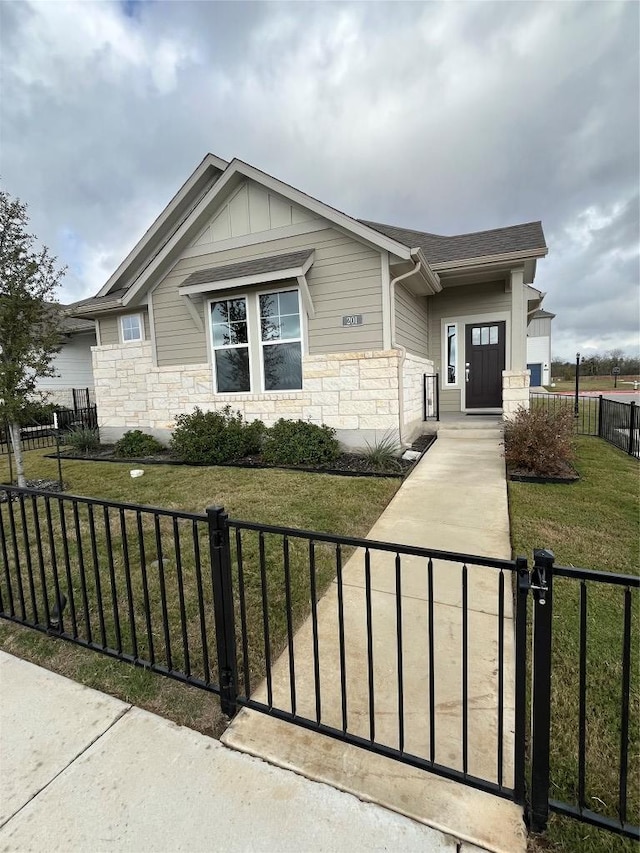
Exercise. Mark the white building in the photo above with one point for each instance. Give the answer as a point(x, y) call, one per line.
point(539, 347)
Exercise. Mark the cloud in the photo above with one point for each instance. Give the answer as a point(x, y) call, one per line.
point(446, 116)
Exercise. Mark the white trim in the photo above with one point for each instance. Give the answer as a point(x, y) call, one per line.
point(248, 280)
point(210, 162)
point(152, 332)
point(123, 317)
point(446, 385)
point(490, 260)
point(262, 344)
point(386, 301)
point(306, 297)
point(256, 237)
point(212, 348)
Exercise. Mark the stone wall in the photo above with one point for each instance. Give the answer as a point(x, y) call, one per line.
point(413, 369)
point(515, 392)
point(354, 392)
point(64, 396)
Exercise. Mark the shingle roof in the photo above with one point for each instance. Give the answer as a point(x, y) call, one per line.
point(96, 303)
point(541, 314)
point(256, 266)
point(439, 249)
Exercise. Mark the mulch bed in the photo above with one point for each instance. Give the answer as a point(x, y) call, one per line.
point(570, 475)
point(347, 464)
point(41, 485)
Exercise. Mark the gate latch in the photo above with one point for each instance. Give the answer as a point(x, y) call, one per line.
point(538, 584)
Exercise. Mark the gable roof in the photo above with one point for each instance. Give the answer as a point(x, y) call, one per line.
point(541, 314)
point(443, 250)
point(254, 267)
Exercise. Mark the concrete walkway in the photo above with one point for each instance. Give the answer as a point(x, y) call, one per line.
point(455, 500)
point(81, 771)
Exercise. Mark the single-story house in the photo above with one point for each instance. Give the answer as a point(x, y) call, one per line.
point(539, 347)
point(72, 363)
point(248, 292)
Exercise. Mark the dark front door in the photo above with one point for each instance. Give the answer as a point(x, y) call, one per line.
point(484, 363)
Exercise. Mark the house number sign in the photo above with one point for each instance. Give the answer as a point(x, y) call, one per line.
point(352, 320)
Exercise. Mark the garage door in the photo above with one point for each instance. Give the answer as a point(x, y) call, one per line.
point(536, 374)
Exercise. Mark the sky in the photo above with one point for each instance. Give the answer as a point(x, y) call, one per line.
point(445, 117)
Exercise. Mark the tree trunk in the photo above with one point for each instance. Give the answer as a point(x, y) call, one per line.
point(14, 431)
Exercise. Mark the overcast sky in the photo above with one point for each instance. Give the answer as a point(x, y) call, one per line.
point(447, 117)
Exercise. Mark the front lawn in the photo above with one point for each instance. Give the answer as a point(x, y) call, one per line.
point(593, 524)
point(341, 505)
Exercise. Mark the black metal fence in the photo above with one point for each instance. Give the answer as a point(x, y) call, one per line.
point(431, 396)
point(39, 436)
point(377, 644)
point(614, 421)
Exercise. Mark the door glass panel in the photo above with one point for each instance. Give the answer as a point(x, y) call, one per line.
point(475, 337)
point(451, 355)
point(493, 335)
point(484, 336)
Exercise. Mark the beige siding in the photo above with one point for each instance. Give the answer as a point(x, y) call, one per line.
point(449, 400)
point(485, 298)
point(539, 328)
point(344, 279)
point(411, 321)
point(110, 326)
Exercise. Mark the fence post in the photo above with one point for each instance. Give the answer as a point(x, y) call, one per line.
point(632, 427)
point(223, 608)
point(576, 408)
point(424, 397)
point(542, 587)
point(522, 580)
point(600, 416)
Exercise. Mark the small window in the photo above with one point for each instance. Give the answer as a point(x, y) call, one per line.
point(484, 336)
point(131, 326)
point(452, 348)
point(230, 345)
point(281, 341)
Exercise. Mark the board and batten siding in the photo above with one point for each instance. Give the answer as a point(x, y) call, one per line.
point(411, 321)
point(110, 326)
point(539, 327)
point(345, 278)
point(458, 302)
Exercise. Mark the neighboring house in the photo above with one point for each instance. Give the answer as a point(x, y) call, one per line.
point(539, 347)
point(72, 364)
point(248, 292)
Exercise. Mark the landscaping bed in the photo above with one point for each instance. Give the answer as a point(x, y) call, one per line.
point(346, 464)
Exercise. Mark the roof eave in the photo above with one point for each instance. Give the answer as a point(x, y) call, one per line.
point(490, 260)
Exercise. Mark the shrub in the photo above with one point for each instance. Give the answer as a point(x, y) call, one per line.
point(211, 438)
point(384, 454)
point(136, 443)
point(37, 414)
point(82, 439)
point(540, 442)
point(300, 443)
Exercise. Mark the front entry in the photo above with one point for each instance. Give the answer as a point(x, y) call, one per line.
point(484, 363)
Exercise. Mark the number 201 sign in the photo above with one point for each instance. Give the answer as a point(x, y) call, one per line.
point(352, 320)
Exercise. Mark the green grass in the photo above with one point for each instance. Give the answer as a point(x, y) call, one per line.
point(593, 524)
point(342, 505)
point(595, 383)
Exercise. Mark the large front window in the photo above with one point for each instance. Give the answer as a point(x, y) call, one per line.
point(257, 342)
point(230, 345)
point(281, 341)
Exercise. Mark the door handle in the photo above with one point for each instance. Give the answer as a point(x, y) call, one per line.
point(466, 371)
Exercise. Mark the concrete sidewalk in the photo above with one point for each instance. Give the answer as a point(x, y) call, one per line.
point(455, 500)
point(82, 771)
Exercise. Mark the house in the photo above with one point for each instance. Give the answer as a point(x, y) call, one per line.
point(539, 347)
point(72, 364)
point(248, 292)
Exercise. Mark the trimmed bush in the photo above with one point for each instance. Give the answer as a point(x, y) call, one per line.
point(300, 443)
point(137, 444)
point(540, 441)
point(211, 438)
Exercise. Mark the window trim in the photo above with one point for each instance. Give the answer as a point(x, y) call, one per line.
point(214, 348)
point(446, 325)
point(140, 323)
point(261, 344)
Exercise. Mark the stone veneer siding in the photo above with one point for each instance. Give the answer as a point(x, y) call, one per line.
point(413, 369)
point(354, 392)
point(515, 392)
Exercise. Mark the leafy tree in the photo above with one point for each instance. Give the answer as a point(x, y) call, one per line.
point(30, 332)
